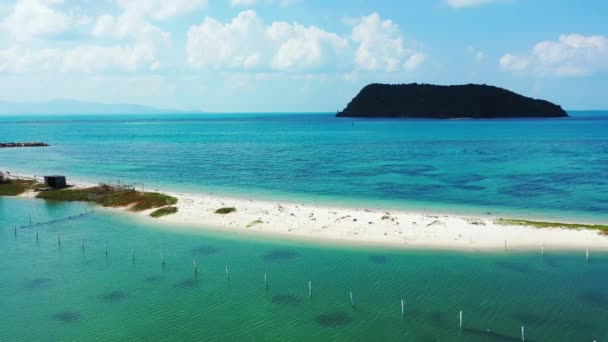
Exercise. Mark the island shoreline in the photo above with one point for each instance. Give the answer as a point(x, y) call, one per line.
point(395, 229)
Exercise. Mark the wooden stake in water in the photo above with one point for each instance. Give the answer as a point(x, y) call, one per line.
point(265, 281)
point(352, 302)
point(162, 259)
point(36, 236)
point(587, 255)
point(460, 319)
point(195, 268)
point(542, 250)
point(402, 308)
point(523, 335)
point(309, 289)
point(227, 274)
point(59, 239)
point(30, 219)
point(133, 254)
point(15, 230)
point(82, 245)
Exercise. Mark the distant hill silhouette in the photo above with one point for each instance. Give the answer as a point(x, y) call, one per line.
point(75, 107)
point(446, 102)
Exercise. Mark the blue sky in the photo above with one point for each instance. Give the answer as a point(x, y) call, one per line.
point(297, 55)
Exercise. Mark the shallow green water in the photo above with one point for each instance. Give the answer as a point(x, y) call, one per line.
point(60, 292)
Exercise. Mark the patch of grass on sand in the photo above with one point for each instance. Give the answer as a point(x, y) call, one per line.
point(15, 187)
point(110, 196)
point(163, 212)
point(253, 223)
point(226, 210)
point(538, 224)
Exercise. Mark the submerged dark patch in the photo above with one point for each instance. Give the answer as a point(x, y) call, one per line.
point(285, 299)
point(438, 319)
point(542, 319)
point(596, 298)
point(39, 284)
point(205, 250)
point(186, 284)
point(490, 335)
point(471, 187)
point(462, 179)
point(551, 262)
point(154, 278)
point(333, 319)
point(280, 254)
point(513, 266)
point(378, 259)
point(114, 296)
point(67, 316)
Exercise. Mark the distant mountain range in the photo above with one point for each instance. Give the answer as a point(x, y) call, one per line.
point(76, 107)
point(477, 101)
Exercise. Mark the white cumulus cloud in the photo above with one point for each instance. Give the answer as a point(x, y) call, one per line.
point(570, 55)
point(36, 18)
point(247, 42)
point(83, 58)
point(382, 47)
point(161, 9)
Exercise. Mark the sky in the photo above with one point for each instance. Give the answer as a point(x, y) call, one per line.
point(297, 55)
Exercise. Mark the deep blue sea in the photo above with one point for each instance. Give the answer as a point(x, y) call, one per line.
point(544, 168)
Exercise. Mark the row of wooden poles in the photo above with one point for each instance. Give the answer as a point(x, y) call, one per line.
point(542, 248)
point(195, 270)
point(31, 224)
point(542, 251)
point(352, 300)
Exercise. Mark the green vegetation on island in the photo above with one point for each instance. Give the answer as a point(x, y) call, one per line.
point(16, 187)
point(163, 212)
point(539, 224)
point(226, 210)
point(111, 196)
point(478, 101)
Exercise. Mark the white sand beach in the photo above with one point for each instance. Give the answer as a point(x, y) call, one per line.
point(373, 227)
point(369, 227)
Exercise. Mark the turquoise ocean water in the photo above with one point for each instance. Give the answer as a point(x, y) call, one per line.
point(66, 292)
point(550, 168)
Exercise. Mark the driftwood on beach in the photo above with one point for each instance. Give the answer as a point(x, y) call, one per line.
point(23, 144)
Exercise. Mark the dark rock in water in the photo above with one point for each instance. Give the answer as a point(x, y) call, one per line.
point(114, 296)
point(446, 102)
point(39, 284)
point(23, 144)
point(286, 299)
point(280, 254)
point(378, 259)
point(205, 250)
point(67, 316)
point(186, 284)
point(596, 298)
point(333, 319)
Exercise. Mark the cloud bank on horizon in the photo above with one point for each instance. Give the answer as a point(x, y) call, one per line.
point(295, 55)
